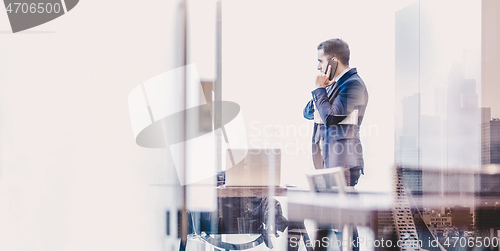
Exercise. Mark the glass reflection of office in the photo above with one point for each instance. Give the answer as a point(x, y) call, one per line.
point(441, 123)
point(446, 130)
point(437, 104)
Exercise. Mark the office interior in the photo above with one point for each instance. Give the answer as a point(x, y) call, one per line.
point(120, 132)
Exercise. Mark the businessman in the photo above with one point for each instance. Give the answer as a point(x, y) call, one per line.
point(337, 108)
point(335, 140)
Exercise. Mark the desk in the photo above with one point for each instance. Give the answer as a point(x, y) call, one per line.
point(337, 211)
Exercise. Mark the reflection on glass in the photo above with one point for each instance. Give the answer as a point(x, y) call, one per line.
point(445, 136)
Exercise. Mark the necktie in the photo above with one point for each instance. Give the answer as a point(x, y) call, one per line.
point(330, 88)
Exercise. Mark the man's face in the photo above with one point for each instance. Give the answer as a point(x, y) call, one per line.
point(322, 60)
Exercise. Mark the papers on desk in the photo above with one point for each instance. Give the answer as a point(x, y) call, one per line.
point(327, 179)
point(351, 119)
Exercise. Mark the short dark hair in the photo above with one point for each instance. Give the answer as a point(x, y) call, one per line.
point(336, 48)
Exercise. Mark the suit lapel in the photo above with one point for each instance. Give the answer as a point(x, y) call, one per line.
point(333, 94)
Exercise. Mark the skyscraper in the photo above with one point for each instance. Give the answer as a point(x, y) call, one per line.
point(495, 141)
point(490, 138)
point(485, 136)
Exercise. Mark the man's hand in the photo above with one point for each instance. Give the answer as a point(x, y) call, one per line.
point(322, 79)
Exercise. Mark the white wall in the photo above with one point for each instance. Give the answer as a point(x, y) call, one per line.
point(73, 177)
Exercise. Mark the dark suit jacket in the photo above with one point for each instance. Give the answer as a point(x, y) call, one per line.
point(349, 93)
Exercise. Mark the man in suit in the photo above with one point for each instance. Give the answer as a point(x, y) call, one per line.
point(335, 140)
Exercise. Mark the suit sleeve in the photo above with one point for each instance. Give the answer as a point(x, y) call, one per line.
point(309, 110)
point(350, 95)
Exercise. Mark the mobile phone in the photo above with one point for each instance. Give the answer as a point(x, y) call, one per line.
point(334, 65)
